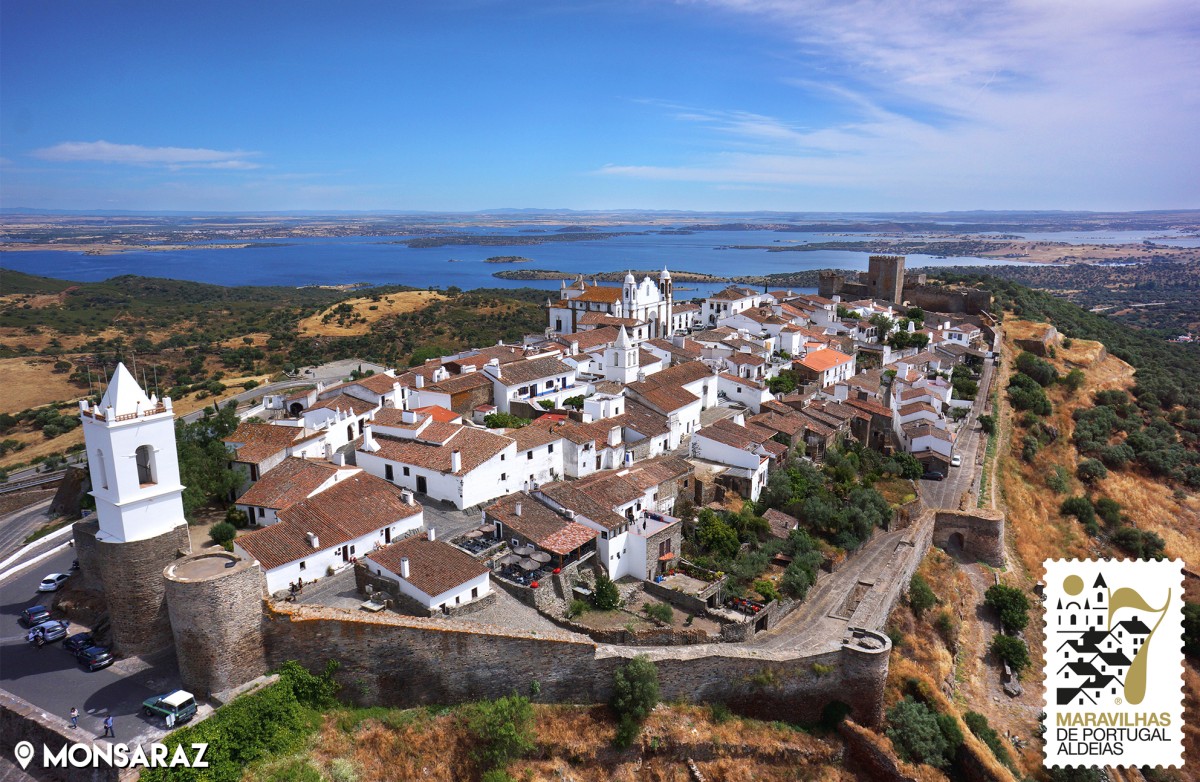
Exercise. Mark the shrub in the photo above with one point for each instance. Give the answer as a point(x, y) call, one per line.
point(635, 694)
point(988, 735)
point(1141, 543)
point(1042, 372)
point(504, 421)
point(920, 595)
point(987, 423)
point(1058, 480)
point(947, 628)
point(237, 518)
point(606, 597)
point(660, 612)
point(1081, 508)
point(917, 734)
point(1091, 470)
point(343, 770)
point(504, 728)
point(1012, 605)
point(766, 589)
point(222, 532)
point(250, 384)
point(1191, 629)
point(577, 608)
point(1012, 651)
point(1073, 380)
point(1108, 510)
point(719, 713)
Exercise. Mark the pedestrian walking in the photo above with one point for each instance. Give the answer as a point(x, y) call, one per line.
point(108, 727)
point(74, 717)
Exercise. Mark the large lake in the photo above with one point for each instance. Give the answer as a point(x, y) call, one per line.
point(373, 260)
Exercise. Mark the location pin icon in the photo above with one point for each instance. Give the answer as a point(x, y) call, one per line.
point(24, 753)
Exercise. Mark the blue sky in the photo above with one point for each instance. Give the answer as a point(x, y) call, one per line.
point(826, 105)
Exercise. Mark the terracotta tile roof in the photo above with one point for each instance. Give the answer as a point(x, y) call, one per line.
point(729, 433)
point(531, 370)
point(643, 420)
point(505, 354)
point(821, 360)
point(545, 527)
point(659, 470)
point(742, 381)
point(604, 319)
point(605, 294)
point(291, 481)
point(533, 437)
point(838, 410)
point(647, 359)
point(763, 315)
point(747, 359)
point(916, 393)
point(679, 354)
point(817, 426)
point(870, 406)
point(343, 402)
point(437, 433)
point(259, 442)
point(587, 340)
point(915, 429)
point(733, 293)
point(349, 509)
point(299, 393)
point(475, 446)
point(667, 398)
point(681, 374)
point(572, 498)
point(434, 567)
point(917, 407)
point(376, 384)
point(438, 413)
point(781, 523)
point(719, 334)
point(789, 424)
point(457, 384)
point(394, 417)
point(686, 307)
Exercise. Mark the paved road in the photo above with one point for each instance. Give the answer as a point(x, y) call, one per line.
point(50, 679)
point(15, 527)
point(970, 446)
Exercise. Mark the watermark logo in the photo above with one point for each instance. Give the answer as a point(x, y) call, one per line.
point(104, 754)
point(1114, 663)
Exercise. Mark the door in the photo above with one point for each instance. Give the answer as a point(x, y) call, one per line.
point(422, 486)
point(387, 535)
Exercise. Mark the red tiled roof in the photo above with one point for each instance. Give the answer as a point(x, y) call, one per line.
point(288, 483)
point(520, 372)
point(345, 403)
point(456, 384)
point(258, 442)
point(666, 398)
point(347, 510)
point(475, 446)
point(822, 360)
point(434, 567)
point(394, 417)
point(870, 406)
point(546, 528)
point(605, 294)
point(604, 319)
point(591, 339)
point(439, 414)
point(533, 437)
point(729, 433)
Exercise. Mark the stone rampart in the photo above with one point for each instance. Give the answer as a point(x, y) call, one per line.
point(22, 721)
point(214, 601)
point(979, 533)
point(399, 661)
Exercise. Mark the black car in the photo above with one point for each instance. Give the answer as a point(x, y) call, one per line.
point(94, 658)
point(34, 615)
point(78, 642)
point(933, 475)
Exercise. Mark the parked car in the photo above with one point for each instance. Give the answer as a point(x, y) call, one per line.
point(179, 704)
point(932, 475)
point(52, 582)
point(79, 642)
point(34, 615)
point(52, 629)
point(956, 460)
point(94, 658)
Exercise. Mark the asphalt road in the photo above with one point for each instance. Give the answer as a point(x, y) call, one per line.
point(50, 679)
point(15, 527)
point(969, 445)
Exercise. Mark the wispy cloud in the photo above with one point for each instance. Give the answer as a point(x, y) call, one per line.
point(1085, 99)
point(138, 155)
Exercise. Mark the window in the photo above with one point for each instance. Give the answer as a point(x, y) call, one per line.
point(387, 472)
point(529, 454)
point(501, 457)
point(685, 483)
point(406, 472)
point(664, 547)
point(144, 456)
point(303, 565)
point(100, 469)
point(504, 476)
point(604, 535)
point(262, 512)
point(352, 551)
point(550, 448)
point(549, 384)
point(254, 472)
point(474, 592)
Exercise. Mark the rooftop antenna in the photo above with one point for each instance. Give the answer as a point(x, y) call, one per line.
point(155, 367)
point(105, 379)
point(91, 388)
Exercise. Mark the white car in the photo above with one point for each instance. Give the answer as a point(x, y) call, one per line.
point(956, 460)
point(52, 582)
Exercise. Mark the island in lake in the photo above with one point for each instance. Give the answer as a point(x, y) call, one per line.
point(508, 259)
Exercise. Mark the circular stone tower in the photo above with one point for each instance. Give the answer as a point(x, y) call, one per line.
point(215, 602)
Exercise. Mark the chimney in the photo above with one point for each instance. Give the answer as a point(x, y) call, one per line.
point(369, 445)
point(404, 568)
point(420, 381)
point(614, 435)
point(328, 452)
point(408, 417)
point(339, 459)
point(313, 540)
point(407, 497)
point(455, 461)
point(517, 509)
point(431, 534)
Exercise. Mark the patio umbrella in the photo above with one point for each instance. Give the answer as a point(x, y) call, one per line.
point(474, 534)
point(485, 528)
point(509, 559)
point(523, 551)
point(540, 556)
point(529, 564)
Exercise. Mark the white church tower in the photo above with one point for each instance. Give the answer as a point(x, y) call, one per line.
point(621, 362)
point(130, 441)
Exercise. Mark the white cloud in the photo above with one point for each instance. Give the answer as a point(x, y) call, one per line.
point(138, 155)
point(1091, 104)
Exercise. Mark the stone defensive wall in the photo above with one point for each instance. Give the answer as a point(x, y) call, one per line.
point(392, 660)
point(21, 721)
point(979, 533)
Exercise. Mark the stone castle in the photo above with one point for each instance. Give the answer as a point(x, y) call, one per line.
point(886, 280)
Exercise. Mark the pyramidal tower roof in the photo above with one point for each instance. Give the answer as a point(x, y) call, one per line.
point(124, 395)
point(623, 339)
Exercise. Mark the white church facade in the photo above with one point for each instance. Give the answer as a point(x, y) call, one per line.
point(644, 308)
